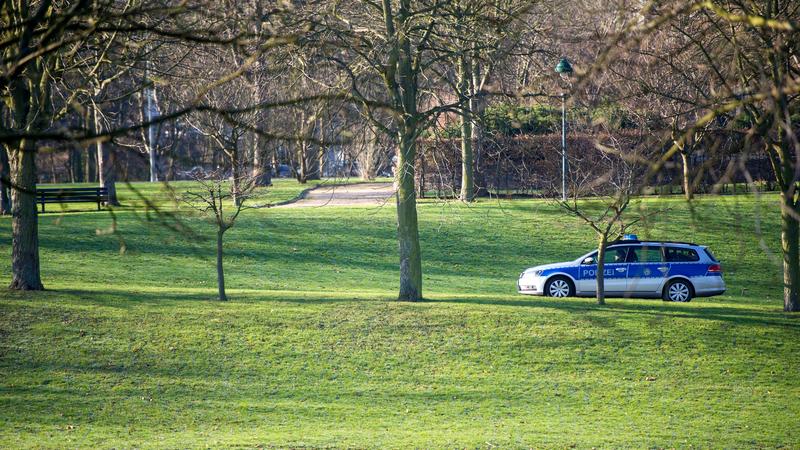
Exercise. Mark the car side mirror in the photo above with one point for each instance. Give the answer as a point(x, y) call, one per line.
point(588, 260)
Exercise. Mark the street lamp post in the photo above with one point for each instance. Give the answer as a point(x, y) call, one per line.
point(564, 68)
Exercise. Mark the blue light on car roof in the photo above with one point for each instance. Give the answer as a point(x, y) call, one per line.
point(630, 237)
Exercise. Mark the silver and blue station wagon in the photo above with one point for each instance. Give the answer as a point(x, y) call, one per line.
point(674, 271)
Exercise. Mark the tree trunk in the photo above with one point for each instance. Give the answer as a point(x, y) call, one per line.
point(687, 177)
point(236, 174)
point(403, 88)
point(368, 157)
point(467, 181)
point(5, 187)
point(321, 162)
point(312, 162)
point(220, 271)
point(76, 166)
point(790, 240)
point(275, 166)
point(261, 174)
point(90, 166)
point(53, 173)
point(151, 113)
point(477, 107)
point(29, 105)
point(407, 226)
point(25, 273)
point(105, 164)
point(601, 280)
point(302, 171)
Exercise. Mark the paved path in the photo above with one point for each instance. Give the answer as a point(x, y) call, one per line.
point(370, 194)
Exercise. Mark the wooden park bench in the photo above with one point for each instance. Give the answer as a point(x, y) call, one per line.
point(97, 195)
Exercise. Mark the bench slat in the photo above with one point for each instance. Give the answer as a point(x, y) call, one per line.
point(64, 191)
point(69, 199)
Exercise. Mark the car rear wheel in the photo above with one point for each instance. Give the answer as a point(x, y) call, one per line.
point(678, 291)
point(559, 287)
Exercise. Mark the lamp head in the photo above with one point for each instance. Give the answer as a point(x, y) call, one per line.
point(564, 67)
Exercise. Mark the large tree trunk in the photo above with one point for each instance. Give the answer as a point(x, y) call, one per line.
point(467, 181)
point(5, 186)
point(790, 240)
point(407, 226)
point(687, 177)
point(601, 279)
point(24, 224)
point(403, 87)
point(220, 271)
point(29, 106)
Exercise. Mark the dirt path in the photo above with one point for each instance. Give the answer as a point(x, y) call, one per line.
point(370, 194)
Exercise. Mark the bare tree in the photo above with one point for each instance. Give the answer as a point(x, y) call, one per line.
point(750, 51)
point(486, 34)
point(387, 51)
point(600, 199)
point(216, 193)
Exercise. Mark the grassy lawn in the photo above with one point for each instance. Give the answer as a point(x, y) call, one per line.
point(130, 350)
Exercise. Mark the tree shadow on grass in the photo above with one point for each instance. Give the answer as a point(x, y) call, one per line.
point(741, 316)
point(129, 298)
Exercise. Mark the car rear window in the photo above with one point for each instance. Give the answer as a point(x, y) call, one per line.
point(710, 255)
point(679, 254)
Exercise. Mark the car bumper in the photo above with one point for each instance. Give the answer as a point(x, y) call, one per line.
point(530, 286)
point(708, 286)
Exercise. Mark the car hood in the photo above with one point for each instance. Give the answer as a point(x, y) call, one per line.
point(549, 266)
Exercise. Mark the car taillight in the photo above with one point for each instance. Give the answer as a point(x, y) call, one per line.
point(715, 268)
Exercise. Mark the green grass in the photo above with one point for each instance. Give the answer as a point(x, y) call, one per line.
point(131, 350)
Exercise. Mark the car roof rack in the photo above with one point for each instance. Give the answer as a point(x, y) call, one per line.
point(623, 241)
point(636, 241)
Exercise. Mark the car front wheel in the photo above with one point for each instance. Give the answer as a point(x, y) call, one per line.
point(678, 291)
point(559, 287)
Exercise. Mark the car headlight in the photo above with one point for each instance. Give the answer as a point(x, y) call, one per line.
point(535, 273)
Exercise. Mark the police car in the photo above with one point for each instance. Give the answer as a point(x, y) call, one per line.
point(674, 271)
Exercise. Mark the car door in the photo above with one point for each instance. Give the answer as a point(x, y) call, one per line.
point(646, 270)
point(615, 270)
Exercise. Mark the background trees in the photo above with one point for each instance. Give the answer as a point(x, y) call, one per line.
point(354, 86)
point(730, 68)
point(86, 47)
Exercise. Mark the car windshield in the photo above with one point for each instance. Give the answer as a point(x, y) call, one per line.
point(613, 255)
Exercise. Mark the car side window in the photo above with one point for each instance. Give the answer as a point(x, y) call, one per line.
point(645, 255)
point(615, 255)
point(678, 254)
